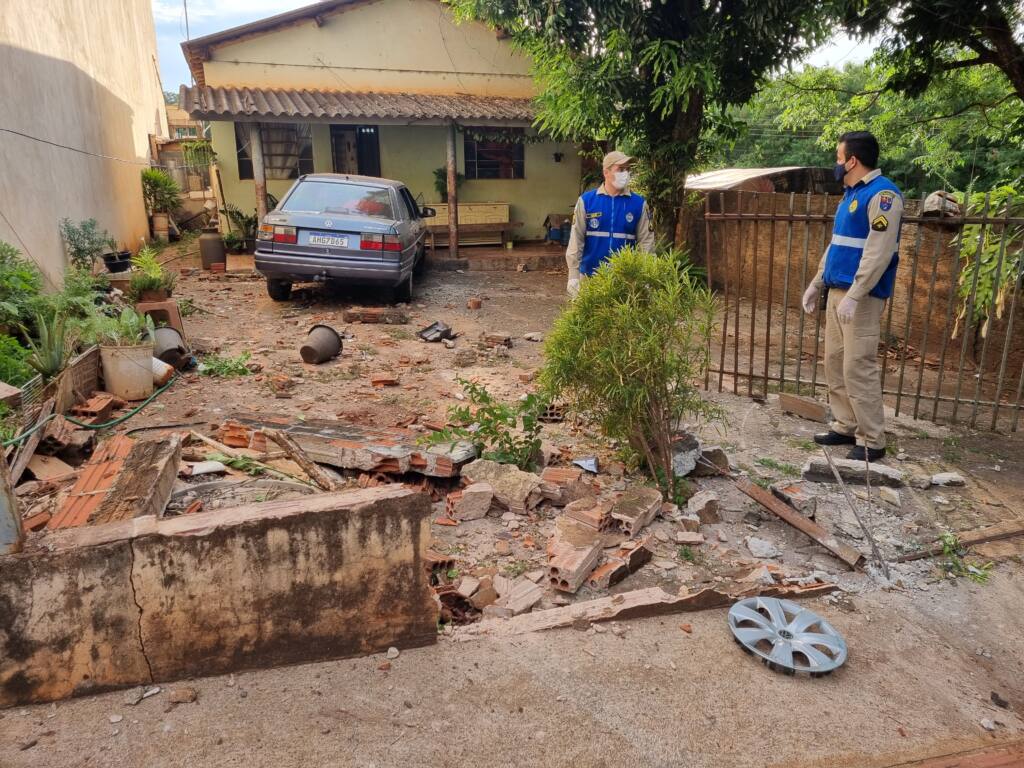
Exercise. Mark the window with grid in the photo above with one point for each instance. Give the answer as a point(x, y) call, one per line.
point(494, 159)
point(287, 150)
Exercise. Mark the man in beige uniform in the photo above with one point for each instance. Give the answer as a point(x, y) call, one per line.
point(606, 219)
point(859, 270)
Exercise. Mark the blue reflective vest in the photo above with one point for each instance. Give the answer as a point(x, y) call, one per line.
point(850, 234)
point(611, 225)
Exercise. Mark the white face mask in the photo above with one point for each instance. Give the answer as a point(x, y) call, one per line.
point(621, 179)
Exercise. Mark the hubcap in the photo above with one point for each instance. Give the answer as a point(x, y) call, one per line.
point(787, 636)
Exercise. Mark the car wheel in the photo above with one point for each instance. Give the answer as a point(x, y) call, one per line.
point(403, 292)
point(279, 290)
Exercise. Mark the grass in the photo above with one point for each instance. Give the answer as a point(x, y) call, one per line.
point(367, 349)
point(688, 554)
point(187, 307)
point(779, 466)
point(954, 563)
point(803, 444)
point(518, 568)
point(225, 367)
point(399, 334)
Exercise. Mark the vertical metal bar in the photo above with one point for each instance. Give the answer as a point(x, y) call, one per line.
point(707, 272)
point(927, 319)
point(991, 315)
point(755, 263)
point(739, 295)
point(771, 295)
point(785, 290)
point(1006, 341)
point(910, 312)
point(817, 315)
point(886, 336)
point(803, 286)
point(969, 315)
point(723, 227)
point(953, 291)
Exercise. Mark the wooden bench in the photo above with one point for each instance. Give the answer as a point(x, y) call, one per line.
point(502, 229)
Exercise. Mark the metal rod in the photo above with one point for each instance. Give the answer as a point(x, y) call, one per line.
point(725, 293)
point(785, 287)
point(853, 507)
point(1016, 406)
point(927, 320)
point(1006, 341)
point(988, 322)
point(754, 259)
point(968, 323)
point(739, 292)
point(803, 287)
point(817, 315)
point(771, 297)
point(906, 325)
point(953, 283)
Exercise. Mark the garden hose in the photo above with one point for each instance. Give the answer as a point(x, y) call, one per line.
point(27, 433)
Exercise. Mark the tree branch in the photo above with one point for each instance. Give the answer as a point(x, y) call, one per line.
point(979, 105)
point(950, 66)
point(827, 89)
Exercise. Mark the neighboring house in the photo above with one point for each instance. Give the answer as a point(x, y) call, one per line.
point(80, 97)
point(181, 129)
point(374, 87)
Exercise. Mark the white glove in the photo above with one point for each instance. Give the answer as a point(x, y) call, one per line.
point(810, 300)
point(846, 309)
point(573, 287)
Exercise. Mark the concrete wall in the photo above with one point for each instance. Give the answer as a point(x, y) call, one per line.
point(411, 46)
point(84, 75)
point(411, 153)
point(148, 600)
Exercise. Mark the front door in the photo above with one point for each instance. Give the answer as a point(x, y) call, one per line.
point(356, 149)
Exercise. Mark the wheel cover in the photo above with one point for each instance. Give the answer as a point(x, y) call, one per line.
point(786, 636)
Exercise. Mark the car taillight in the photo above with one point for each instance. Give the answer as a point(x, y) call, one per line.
point(392, 243)
point(370, 242)
point(266, 232)
point(285, 235)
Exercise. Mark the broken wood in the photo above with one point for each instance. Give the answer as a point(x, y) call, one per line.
point(144, 484)
point(1004, 530)
point(28, 446)
point(805, 407)
point(48, 468)
point(296, 454)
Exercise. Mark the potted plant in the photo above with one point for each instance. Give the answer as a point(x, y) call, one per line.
point(243, 226)
point(161, 194)
point(48, 352)
point(117, 260)
point(150, 281)
point(84, 241)
point(126, 354)
point(441, 182)
point(233, 242)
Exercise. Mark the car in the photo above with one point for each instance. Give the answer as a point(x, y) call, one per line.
point(353, 230)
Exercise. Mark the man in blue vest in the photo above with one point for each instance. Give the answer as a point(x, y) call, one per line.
point(606, 219)
point(858, 271)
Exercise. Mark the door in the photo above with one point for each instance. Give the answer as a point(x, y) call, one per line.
point(356, 149)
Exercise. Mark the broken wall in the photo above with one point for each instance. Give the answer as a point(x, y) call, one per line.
point(149, 600)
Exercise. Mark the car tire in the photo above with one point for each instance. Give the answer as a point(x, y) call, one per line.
point(279, 290)
point(404, 291)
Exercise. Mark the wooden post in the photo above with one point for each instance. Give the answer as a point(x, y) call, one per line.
point(259, 172)
point(453, 195)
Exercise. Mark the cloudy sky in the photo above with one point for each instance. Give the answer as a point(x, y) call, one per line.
point(207, 16)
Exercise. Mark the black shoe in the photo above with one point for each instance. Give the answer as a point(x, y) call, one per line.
point(834, 438)
point(873, 454)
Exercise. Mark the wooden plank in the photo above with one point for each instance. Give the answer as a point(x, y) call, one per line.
point(28, 447)
point(848, 555)
point(1004, 530)
point(144, 484)
point(805, 407)
point(296, 454)
point(48, 468)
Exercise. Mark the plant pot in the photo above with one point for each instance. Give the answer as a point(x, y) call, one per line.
point(120, 281)
point(154, 294)
point(128, 371)
point(169, 346)
point(118, 262)
point(322, 343)
point(211, 248)
point(161, 226)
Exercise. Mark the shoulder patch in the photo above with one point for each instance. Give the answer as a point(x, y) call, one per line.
point(880, 224)
point(885, 200)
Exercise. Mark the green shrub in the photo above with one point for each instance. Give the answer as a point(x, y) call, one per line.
point(84, 241)
point(244, 223)
point(225, 367)
point(160, 191)
point(48, 352)
point(630, 350)
point(126, 330)
point(14, 368)
point(20, 285)
point(149, 274)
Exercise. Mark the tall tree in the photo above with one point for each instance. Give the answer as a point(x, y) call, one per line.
point(924, 39)
point(652, 76)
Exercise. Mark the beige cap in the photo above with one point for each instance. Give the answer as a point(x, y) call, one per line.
point(616, 158)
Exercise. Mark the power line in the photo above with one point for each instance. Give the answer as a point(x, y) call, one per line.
point(81, 151)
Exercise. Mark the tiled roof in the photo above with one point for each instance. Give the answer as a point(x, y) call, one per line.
point(208, 103)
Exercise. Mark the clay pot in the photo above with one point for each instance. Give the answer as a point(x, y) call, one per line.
point(322, 343)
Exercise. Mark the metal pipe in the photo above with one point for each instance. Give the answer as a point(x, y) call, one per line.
point(803, 287)
point(906, 325)
point(771, 298)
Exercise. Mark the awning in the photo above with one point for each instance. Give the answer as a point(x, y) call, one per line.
point(248, 104)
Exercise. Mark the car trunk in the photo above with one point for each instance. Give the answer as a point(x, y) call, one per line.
point(333, 235)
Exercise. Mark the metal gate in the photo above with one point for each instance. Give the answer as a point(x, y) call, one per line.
point(951, 345)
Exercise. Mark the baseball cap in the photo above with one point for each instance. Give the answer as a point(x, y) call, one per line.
point(616, 158)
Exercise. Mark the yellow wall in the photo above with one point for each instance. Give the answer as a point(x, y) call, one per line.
point(81, 74)
point(411, 46)
point(411, 153)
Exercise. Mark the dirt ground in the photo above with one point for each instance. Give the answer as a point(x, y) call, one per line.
point(928, 654)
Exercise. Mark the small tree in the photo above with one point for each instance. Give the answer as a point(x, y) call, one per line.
point(629, 351)
point(159, 191)
point(84, 241)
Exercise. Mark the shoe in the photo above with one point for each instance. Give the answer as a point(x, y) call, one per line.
point(873, 454)
point(834, 438)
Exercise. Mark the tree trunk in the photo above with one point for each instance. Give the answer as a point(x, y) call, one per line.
point(687, 133)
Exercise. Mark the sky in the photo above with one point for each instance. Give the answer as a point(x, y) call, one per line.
point(207, 16)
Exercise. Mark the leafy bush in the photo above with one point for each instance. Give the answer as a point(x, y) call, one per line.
point(244, 223)
point(441, 183)
point(494, 427)
point(84, 241)
point(130, 328)
point(225, 367)
point(232, 240)
point(14, 367)
point(149, 274)
point(630, 350)
point(160, 191)
point(20, 285)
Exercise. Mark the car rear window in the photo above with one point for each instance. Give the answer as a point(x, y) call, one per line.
point(331, 197)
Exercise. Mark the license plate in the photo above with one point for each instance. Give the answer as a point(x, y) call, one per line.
point(332, 240)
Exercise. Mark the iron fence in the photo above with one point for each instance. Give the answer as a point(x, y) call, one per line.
point(950, 344)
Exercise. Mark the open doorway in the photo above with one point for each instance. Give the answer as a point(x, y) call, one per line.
point(355, 149)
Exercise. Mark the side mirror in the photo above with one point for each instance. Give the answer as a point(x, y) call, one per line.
point(428, 213)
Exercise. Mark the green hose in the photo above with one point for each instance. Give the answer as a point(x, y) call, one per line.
point(27, 433)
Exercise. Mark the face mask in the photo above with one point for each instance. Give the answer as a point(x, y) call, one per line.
point(839, 171)
point(621, 179)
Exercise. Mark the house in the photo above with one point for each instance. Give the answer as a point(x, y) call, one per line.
point(81, 97)
point(194, 179)
point(380, 88)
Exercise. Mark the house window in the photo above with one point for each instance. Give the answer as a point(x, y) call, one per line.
point(287, 150)
point(494, 159)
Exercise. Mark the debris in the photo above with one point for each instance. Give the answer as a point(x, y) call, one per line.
point(620, 564)
point(573, 552)
point(322, 343)
point(689, 538)
point(999, 701)
point(588, 463)
point(383, 380)
point(436, 331)
point(988, 724)
point(799, 640)
point(387, 315)
point(445, 521)
point(496, 340)
point(948, 479)
point(520, 597)
point(762, 575)
point(484, 596)
point(636, 509)
point(471, 503)
point(514, 489)
point(296, 454)
point(48, 468)
point(805, 407)
point(468, 585)
point(465, 357)
point(134, 695)
point(685, 454)
point(687, 628)
point(27, 448)
point(1004, 530)
point(36, 522)
point(796, 496)
point(687, 521)
point(879, 560)
point(890, 496)
point(533, 336)
point(9, 396)
point(553, 414)
point(852, 471)
point(116, 718)
point(716, 457)
point(448, 343)
point(202, 468)
point(392, 653)
point(183, 695)
point(596, 514)
point(95, 410)
point(502, 548)
point(474, 303)
point(705, 506)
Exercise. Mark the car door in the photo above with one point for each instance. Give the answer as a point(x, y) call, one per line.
point(414, 212)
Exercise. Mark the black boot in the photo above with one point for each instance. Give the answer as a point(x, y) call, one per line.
point(873, 454)
point(834, 438)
